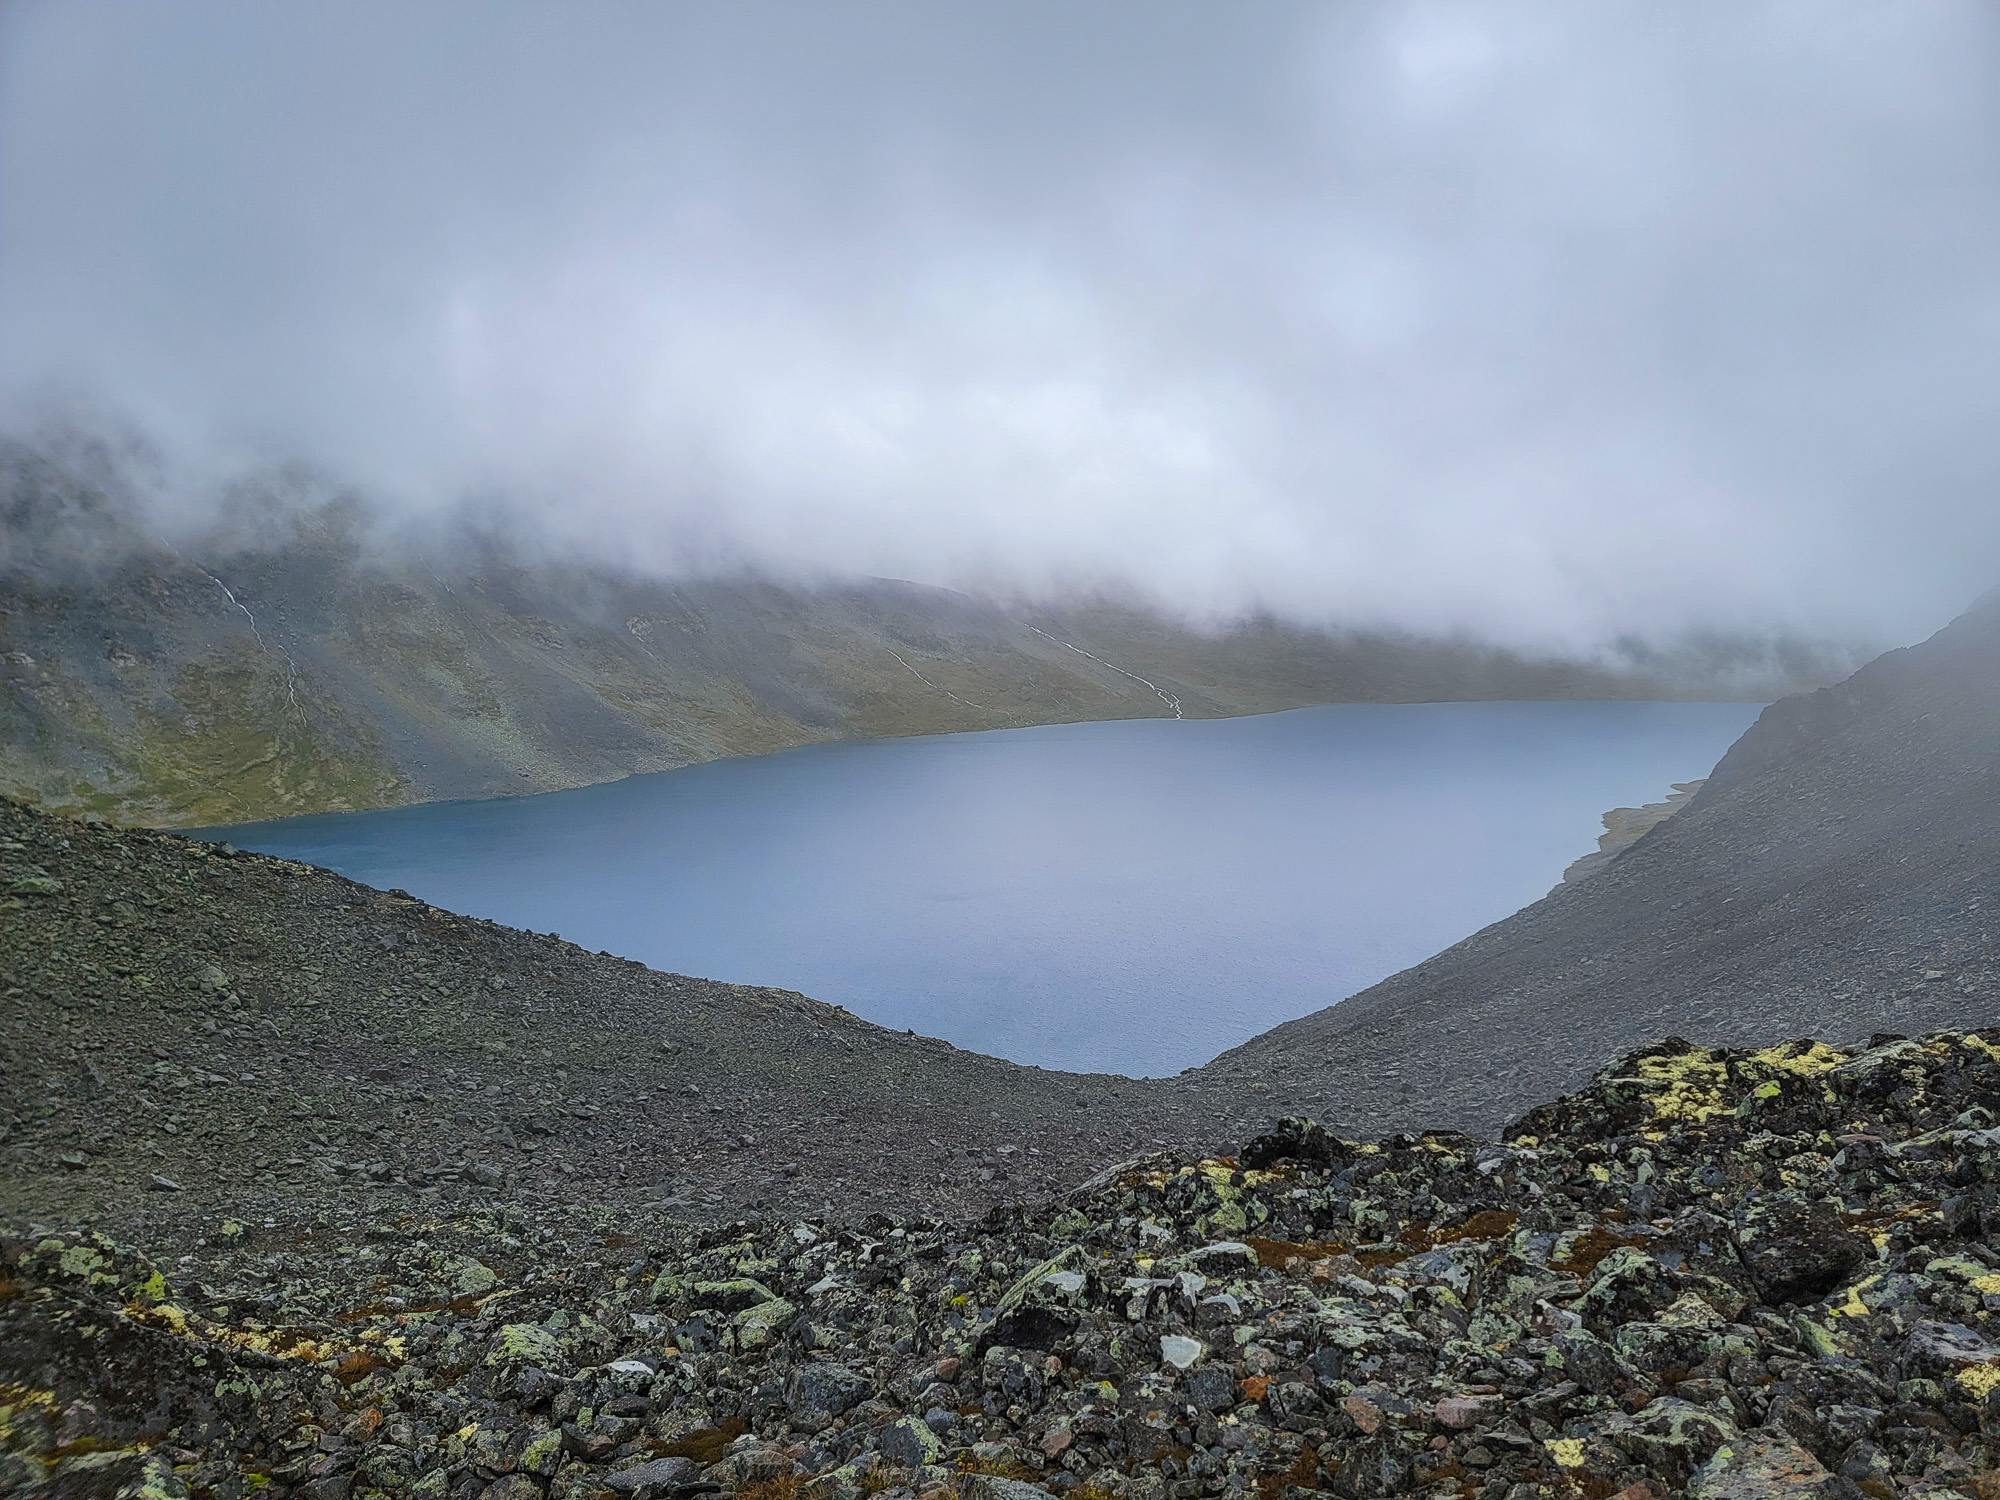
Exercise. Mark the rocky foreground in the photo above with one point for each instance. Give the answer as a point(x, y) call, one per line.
point(1734, 1273)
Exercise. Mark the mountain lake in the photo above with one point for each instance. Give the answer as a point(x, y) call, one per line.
point(1129, 897)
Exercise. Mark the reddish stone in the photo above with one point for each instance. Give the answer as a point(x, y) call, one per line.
point(1366, 1414)
point(1460, 1411)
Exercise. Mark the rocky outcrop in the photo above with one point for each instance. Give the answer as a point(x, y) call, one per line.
point(1718, 1274)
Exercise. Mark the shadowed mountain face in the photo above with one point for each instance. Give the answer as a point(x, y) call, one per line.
point(1833, 878)
point(286, 669)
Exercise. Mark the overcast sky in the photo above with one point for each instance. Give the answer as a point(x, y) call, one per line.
point(1547, 321)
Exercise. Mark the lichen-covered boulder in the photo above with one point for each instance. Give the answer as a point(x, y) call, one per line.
point(755, 1325)
point(1669, 1438)
point(817, 1393)
point(1952, 1355)
point(526, 1344)
point(1794, 1250)
point(1766, 1465)
point(908, 1444)
point(1041, 1308)
point(731, 1296)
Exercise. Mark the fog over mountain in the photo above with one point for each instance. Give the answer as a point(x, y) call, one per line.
point(1547, 322)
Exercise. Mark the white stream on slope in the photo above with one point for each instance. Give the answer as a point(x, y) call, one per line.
point(945, 690)
point(1165, 697)
point(291, 666)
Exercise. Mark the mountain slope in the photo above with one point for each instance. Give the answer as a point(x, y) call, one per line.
point(1830, 879)
point(1833, 877)
point(250, 1029)
point(285, 667)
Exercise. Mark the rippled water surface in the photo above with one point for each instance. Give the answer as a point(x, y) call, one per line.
point(1131, 896)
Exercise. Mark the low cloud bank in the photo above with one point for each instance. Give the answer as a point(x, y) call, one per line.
point(1563, 325)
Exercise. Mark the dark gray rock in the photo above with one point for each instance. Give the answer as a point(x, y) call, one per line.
point(1794, 1250)
point(825, 1390)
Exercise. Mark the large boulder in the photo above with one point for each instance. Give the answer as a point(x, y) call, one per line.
point(1766, 1465)
point(908, 1444)
point(818, 1393)
point(1041, 1309)
point(1669, 1438)
point(518, 1344)
point(1794, 1250)
point(732, 1296)
point(1951, 1353)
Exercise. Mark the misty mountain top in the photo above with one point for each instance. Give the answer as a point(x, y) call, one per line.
point(1551, 323)
point(303, 651)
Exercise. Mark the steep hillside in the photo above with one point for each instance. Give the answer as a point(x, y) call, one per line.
point(1833, 877)
point(180, 1022)
point(285, 668)
point(1830, 879)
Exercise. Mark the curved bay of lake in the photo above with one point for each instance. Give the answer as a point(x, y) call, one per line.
point(1130, 897)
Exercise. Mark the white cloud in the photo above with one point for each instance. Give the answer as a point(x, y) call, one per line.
point(1549, 321)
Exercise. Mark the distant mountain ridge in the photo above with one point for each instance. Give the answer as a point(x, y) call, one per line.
point(285, 668)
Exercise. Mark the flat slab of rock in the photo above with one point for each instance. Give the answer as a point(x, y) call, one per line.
point(659, 1472)
point(1765, 1465)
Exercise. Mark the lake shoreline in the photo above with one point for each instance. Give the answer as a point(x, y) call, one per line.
point(1134, 896)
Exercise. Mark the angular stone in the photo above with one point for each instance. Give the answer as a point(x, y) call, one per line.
point(1212, 1388)
point(755, 1325)
point(1669, 1437)
point(995, 1487)
point(1039, 1309)
point(1223, 1258)
point(1764, 1465)
point(525, 1344)
point(825, 1390)
point(1459, 1412)
point(1181, 1352)
point(908, 1444)
point(659, 1471)
point(730, 1296)
point(1364, 1413)
point(1795, 1251)
point(1945, 1351)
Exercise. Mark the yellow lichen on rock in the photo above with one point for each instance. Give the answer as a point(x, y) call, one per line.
point(1807, 1062)
point(1855, 1306)
point(277, 1343)
point(1980, 1380)
point(1975, 1040)
point(1568, 1452)
point(1684, 1089)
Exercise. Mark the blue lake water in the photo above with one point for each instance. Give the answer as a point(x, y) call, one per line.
point(1130, 897)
